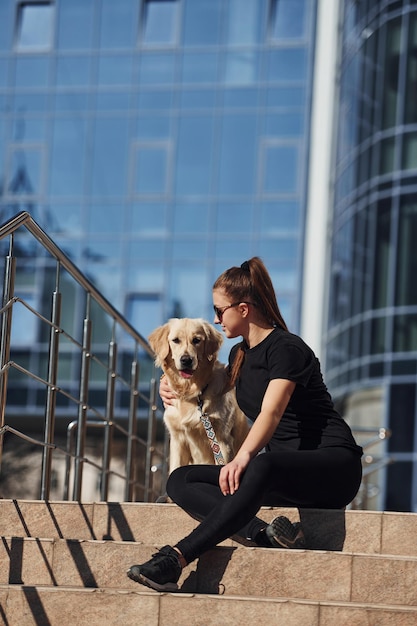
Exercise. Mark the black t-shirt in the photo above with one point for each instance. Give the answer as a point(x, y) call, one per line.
point(310, 420)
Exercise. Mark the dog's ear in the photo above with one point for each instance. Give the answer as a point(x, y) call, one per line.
point(158, 340)
point(213, 342)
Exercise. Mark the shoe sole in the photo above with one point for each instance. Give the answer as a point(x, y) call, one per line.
point(285, 534)
point(143, 580)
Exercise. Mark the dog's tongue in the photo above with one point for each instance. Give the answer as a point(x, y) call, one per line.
point(186, 373)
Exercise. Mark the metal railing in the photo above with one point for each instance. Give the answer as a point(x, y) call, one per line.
point(126, 350)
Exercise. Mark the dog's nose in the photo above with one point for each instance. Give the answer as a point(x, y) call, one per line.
point(186, 361)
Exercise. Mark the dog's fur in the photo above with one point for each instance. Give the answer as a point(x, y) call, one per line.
point(186, 349)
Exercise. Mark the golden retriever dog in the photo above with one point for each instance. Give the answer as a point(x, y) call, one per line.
point(186, 350)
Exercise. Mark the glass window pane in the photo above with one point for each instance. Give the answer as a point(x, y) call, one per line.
point(411, 86)
point(278, 218)
point(287, 64)
point(244, 21)
point(149, 220)
point(409, 160)
point(159, 21)
point(191, 218)
point(392, 65)
point(106, 218)
point(155, 100)
point(153, 127)
point(242, 67)
point(194, 156)
point(382, 254)
point(285, 96)
point(187, 280)
point(113, 101)
point(288, 19)
point(4, 66)
point(7, 7)
point(25, 173)
point(115, 70)
point(67, 219)
point(71, 101)
point(28, 129)
point(144, 311)
point(72, 71)
point(151, 172)
point(110, 151)
point(405, 333)
point(281, 169)
point(32, 72)
point(157, 69)
point(35, 26)
point(202, 22)
point(33, 102)
point(200, 67)
point(68, 156)
point(118, 23)
point(406, 283)
point(234, 218)
point(238, 155)
point(76, 19)
point(285, 124)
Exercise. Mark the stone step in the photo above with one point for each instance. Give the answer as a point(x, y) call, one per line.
point(226, 570)
point(50, 606)
point(371, 532)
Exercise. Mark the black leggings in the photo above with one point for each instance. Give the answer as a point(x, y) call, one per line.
point(328, 478)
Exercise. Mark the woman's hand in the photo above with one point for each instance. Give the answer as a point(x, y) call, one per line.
point(230, 474)
point(167, 395)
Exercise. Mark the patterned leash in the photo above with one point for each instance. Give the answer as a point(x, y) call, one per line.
point(205, 419)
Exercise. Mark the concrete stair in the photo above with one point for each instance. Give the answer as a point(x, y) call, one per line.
point(65, 563)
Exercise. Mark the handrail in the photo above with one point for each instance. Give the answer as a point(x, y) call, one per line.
point(85, 348)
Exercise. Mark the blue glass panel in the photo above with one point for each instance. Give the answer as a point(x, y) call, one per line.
point(73, 71)
point(197, 99)
point(285, 96)
point(105, 276)
point(115, 70)
point(200, 67)
point(106, 218)
point(194, 156)
point(285, 124)
point(238, 155)
point(202, 22)
point(153, 100)
point(67, 219)
point(109, 175)
point(151, 170)
point(281, 169)
point(28, 129)
point(157, 68)
point(241, 97)
point(186, 249)
point(149, 220)
point(4, 66)
point(32, 71)
point(2, 143)
point(241, 67)
point(288, 64)
point(30, 102)
point(159, 21)
point(188, 288)
point(68, 156)
point(118, 23)
point(76, 19)
point(234, 218)
point(25, 173)
point(35, 26)
point(191, 218)
point(289, 19)
point(147, 249)
point(279, 217)
point(7, 7)
point(153, 127)
point(113, 101)
point(148, 277)
point(245, 21)
point(145, 312)
point(230, 251)
point(282, 249)
point(71, 101)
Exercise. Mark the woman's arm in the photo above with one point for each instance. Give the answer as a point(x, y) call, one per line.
point(274, 403)
point(165, 391)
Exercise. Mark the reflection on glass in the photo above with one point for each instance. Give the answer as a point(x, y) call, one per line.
point(25, 323)
point(119, 101)
point(155, 100)
point(241, 67)
point(285, 124)
point(4, 64)
point(406, 284)
point(118, 23)
point(68, 156)
point(405, 333)
point(72, 71)
point(288, 19)
point(189, 289)
point(28, 129)
point(32, 71)
point(409, 160)
point(191, 218)
point(115, 70)
point(238, 154)
point(287, 64)
point(153, 127)
point(106, 218)
point(387, 156)
point(202, 22)
point(33, 102)
point(67, 219)
point(159, 21)
point(200, 67)
point(71, 101)
point(285, 96)
point(110, 153)
point(25, 171)
point(157, 69)
point(279, 217)
point(234, 218)
point(411, 84)
point(151, 174)
point(383, 253)
point(76, 19)
point(34, 26)
point(145, 311)
point(149, 220)
point(392, 63)
point(281, 169)
point(244, 21)
point(6, 9)
point(241, 97)
point(194, 155)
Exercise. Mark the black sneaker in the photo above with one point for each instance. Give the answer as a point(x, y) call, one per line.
point(161, 572)
point(284, 534)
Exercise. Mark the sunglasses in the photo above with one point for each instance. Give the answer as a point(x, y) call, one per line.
point(219, 311)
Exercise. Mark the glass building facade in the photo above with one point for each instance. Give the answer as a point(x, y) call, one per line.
point(158, 142)
point(372, 324)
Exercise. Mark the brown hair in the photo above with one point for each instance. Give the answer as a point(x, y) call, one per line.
point(251, 283)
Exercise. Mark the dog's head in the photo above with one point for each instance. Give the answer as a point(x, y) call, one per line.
point(188, 345)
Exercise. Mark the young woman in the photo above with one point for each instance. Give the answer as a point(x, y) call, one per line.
point(299, 451)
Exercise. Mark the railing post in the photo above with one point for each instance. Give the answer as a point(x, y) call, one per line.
point(108, 429)
point(151, 437)
point(51, 392)
point(82, 409)
point(132, 429)
point(6, 328)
